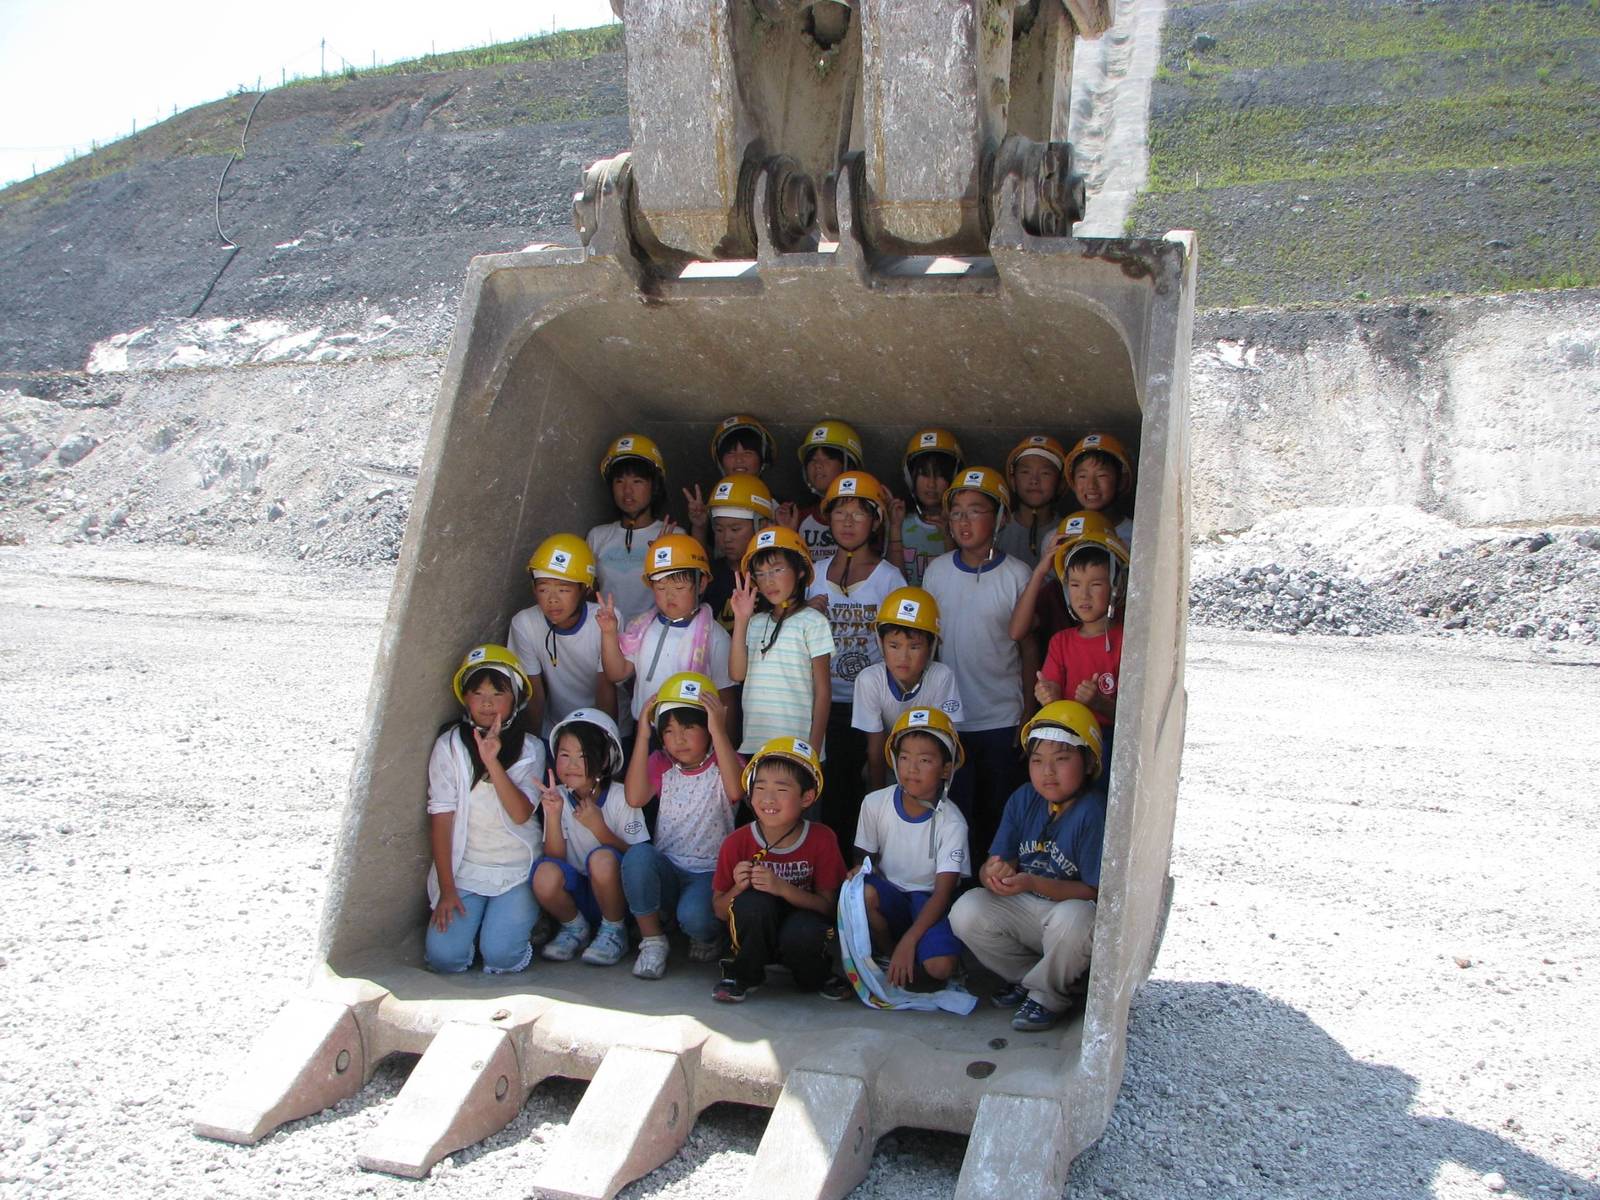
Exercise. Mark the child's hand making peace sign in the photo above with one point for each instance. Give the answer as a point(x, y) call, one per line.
point(742, 601)
point(605, 614)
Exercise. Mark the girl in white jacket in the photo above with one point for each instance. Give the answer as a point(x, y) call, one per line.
point(484, 826)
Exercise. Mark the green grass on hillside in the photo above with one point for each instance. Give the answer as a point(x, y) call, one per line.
point(1376, 113)
point(549, 47)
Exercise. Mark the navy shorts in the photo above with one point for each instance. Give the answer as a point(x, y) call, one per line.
point(900, 908)
point(576, 883)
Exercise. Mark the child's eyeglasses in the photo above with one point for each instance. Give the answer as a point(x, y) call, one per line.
point(970, 514)
point(771, 572)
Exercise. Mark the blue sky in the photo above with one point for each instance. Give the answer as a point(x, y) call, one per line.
point(75, 71)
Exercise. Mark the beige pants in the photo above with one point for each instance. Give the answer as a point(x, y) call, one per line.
point(1043, 944)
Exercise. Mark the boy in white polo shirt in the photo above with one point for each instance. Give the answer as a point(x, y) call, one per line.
point(907, 678)
point(558, 640)
point(977, 586)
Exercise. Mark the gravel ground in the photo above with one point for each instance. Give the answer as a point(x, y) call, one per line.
point(1360, 993)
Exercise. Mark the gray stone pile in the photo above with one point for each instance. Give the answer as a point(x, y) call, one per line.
point(1275, 599)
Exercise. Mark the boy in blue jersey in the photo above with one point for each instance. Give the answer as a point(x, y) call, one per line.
point(1042, 877)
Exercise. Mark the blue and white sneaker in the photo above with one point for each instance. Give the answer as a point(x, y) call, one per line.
point(1034, 1017)
point(1009, 996)
point(609, 945)
point(569, 939)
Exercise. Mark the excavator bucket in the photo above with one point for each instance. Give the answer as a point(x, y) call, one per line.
point(894, 259)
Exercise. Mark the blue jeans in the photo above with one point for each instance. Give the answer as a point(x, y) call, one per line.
point(654, 884)
point(499, 925)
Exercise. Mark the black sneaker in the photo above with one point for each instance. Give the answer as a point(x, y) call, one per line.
point(1009, 996)
point(836, 987)
point(731, 991)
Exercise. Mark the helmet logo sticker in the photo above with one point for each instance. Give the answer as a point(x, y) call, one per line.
point(663, 556)
point(908, 610)
point(917, 716)
point(1092, 439)
point(803, 748)
point(928, 439)
point(624, 443)
point(847, 487)
point(475, 655)
point(819, 434)
point(560, 560)
point(972, 477)
point(1037, 439)
point(689, 689)
point(1075, 526)
point(724, 490)
point(729, 422)
point(767, 538)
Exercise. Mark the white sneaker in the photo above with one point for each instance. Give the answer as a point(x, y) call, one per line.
point(569, 939)
point(652, 960)
point(609, 945)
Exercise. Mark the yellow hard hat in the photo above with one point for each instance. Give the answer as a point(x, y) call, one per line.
point(909, 608)
point(632, 445)
point(1041, 444)
point(743, 496)
point(1105, 444)
point(732, 425)
point(857, 485)
point(836, 435)
point(931, 721)
point(563, 556)
point(1083, 529)
point(931, 441)
point(1070, 722)
point(980, 479)
point(796, 750)
point(780, 537)
point(490, 657)
point(683, 690)
point(675, 552)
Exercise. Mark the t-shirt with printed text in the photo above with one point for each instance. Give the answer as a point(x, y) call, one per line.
point(812, 864)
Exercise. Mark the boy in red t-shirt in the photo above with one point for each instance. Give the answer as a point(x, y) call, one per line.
point(1082, 663)
point(777, 880)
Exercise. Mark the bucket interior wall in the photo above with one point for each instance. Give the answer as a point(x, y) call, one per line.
point(516, 444)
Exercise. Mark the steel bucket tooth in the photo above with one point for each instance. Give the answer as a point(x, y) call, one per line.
point(819, 1142)
point(1019, 1149)
point(467, 1086)
point(312, 1056)
point(635, 1114)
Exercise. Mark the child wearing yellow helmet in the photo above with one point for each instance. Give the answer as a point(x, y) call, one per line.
point(977, 585)
point(557, 640)
point(1100, 473)
point(918, 844)
point(781, 648)
point(695, 779)
point(932, 460)
point(830, 448)
point(777, 879)
point(636, 478)
point(482, 775)
point(678, 633)
point(1035, 469)
point(908, 677)
point(740, 507)
point(848, 588)
point(1032, 921)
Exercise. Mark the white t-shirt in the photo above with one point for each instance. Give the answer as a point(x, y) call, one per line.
point(495, 859)
point(853, 618)
point(777, 694)
point(879, 700)
point(910, 853)
point(627, 823)
point(675, 642)
point(568, 660)
point(619, 571)
point(450, 790)
point(695, 815)
point(976, 606)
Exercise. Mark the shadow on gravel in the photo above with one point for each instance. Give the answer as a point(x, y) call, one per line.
point(1230, 1090)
